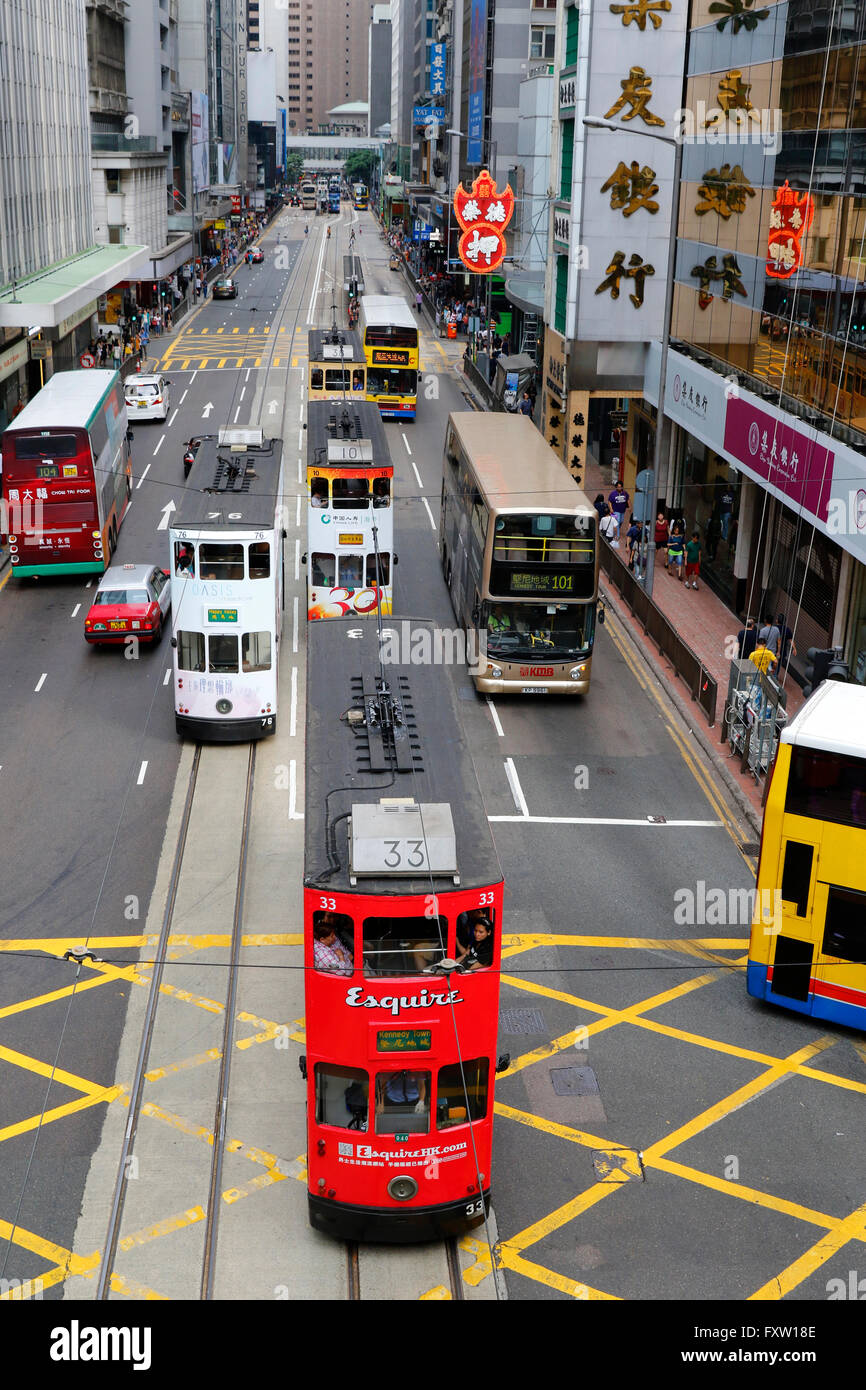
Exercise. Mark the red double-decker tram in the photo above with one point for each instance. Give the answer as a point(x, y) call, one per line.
point(402, 939)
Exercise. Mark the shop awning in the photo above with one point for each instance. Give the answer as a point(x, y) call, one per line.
point(45, 299)
point(526, 292)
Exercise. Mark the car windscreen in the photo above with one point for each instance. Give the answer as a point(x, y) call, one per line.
point(141, 389)
point(114, 598)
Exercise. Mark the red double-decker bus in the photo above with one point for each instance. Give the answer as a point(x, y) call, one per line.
point(402, 939)
point(67, 476)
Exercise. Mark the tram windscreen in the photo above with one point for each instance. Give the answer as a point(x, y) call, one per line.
point(403, 945)
point(458, 1085)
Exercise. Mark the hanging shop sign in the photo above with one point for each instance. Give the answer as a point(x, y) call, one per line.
point(791, 217)
point(483, 213)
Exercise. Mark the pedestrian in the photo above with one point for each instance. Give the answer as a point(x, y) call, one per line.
point(726, 508)
point(117, 353)
point(786, 645)
point(609, 528)
point(601, 506)
point(525, 406)
point(769, 635)
point(747, 639)
point(619, 501)
point(418, 301)
point(693, 560)
point(676, 546)
point(633, 536)
point(660, 535)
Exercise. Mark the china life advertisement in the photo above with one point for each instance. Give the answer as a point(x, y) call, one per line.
point(342, 553)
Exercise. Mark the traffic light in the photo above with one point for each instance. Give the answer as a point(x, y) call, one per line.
point(825, 664)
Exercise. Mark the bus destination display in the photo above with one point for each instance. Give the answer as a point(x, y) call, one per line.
point(542, 582)
point(404, 1040)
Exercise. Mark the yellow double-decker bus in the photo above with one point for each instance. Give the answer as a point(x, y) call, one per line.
point(518, 541)
point(389, 337)
point(808, 941)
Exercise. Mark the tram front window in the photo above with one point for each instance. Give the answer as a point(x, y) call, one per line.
point(527, 631)
point(341, 1096)
point(190, 651)
point(324, 570)
point(222, 651)
point(256, 651)
point(351, 494)
point(379, 568)
point(403, 1102)
point(260, 560)
point(221, 560)
point(333, 946)
point(403, 945)
point(458, 1086)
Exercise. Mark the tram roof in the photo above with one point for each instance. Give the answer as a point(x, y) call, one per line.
point(833, 719)
point(342, 663)
point(344, 420)
point(515, 466)
point(245, 501)
point(322, 348)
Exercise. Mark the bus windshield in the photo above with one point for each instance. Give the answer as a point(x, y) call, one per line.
point(537, 631)
point(394, 381)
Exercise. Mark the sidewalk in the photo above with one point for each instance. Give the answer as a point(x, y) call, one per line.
point(707, 626)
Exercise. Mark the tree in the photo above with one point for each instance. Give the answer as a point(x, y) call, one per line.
point(359, 166)
point(294, 166)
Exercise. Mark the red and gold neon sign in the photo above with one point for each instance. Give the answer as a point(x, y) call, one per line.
point(790, 219)
point(483, 214)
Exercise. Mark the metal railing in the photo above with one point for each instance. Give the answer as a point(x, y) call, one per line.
point(701, 684)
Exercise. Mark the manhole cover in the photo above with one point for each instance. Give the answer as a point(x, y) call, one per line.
point(606, 771)
point(574, 1081)
point(522, 1021)
point(750, 847)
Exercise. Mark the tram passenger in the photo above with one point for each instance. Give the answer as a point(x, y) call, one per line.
point(184, 561)
point(466, 925)
point(358, 375)
point(319, 493)
point(397, 1090)
point(381, 492)
point(479, 955)
point(329, 952)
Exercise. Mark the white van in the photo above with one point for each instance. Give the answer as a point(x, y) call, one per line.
point(147, 397)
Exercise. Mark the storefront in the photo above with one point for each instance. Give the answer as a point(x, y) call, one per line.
point(14, 356)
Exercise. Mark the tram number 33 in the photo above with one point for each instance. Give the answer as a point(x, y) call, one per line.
point(410, 852)
point(475, 1208)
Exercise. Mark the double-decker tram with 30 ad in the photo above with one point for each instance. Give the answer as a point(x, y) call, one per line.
point(227, 588)
point(402, 940)
point(350, 514)
point(808, 942)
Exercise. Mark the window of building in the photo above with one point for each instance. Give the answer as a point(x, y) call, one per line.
point(567, 161)
point(542, 40)
point(112, 180)
point(571, 23)
point(115, 236)
point(561, 293)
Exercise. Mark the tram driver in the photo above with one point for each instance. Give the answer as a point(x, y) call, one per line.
point(319, 493)
point(478, 955)
point(400, 1091)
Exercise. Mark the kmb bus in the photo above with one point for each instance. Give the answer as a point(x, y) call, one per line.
point(808, 942)
point(518, 541)
point(389, 337)
point(350, 516)
point(402, 941)
point(67, 475)
point(228, 588)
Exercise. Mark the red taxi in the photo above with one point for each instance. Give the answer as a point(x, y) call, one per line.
point(131, 601)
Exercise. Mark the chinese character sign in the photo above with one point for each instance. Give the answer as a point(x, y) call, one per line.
point(790, 218)
point(437, 69)
point(483, 213)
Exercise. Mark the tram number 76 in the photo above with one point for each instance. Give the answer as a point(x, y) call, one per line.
point(410, 852)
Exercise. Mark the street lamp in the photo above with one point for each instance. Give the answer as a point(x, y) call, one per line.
point(596, 123)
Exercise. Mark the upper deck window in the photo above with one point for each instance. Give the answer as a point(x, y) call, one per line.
point(260, 560)
point(403, 945)
point(221, 560)
point(828, 786)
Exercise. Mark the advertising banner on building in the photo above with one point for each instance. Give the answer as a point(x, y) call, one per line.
point(200, 130)
point(437, 69)
point(477, 67)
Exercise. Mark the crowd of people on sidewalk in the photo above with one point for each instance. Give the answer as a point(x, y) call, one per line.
point(682, 556)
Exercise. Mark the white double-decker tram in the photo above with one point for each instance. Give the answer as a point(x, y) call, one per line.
point(228, 589)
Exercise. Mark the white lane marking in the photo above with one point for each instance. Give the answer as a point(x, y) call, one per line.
point(167, 677)
point(604, 820)
point(247, 377)
point(237, 413)
point(429, 513)
point(417, 474)
point(295, 623)
point(313, 297)
point(300, 440)
point(74, 612)
point(143, 476)
point(297, 559)
point(174, 416)
point(41, 681)
point(142, 771)
point(495, 717)
point(243, 393)
point(128, 508)
point(293, 791)
point(193, 377)
point(159, 445)
point(406, 442)
point(298, 510)
point(300, 472)
point(516, 789)
point(184, 396)
point(293, 713)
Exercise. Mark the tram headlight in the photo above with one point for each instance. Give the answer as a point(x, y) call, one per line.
point(577, 673)
point(402, 1188)
point(224, 706)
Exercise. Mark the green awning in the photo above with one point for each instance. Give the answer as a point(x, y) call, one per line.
point(49, 296)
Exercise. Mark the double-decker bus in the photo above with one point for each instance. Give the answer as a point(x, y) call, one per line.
point(67, 475)
point(227, 588)
point(518, 541)
point(336, 363)
point(389, 337)
point(359, 196)
point(808, 941)
point(402, 938)
point(308, 195)
point(350, 517)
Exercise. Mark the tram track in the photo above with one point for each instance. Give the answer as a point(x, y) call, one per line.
point(413, 1272)
point(137, 1170)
